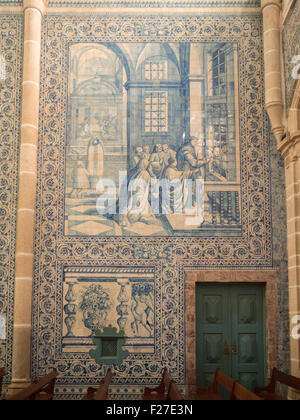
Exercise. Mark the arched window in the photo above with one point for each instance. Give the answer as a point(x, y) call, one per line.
point(2, 68)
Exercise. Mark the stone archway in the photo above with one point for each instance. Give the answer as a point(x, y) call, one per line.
point(290, 149)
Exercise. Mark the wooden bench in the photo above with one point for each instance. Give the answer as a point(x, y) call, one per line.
point(270, 392)
point(173, 393)
point(101, 393)
point(42, 389)
point(158, 393)
point(211, 392)
point(2, 374)
point(243, 394)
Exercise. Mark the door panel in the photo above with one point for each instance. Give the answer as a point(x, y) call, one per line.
point(247, 303)
point(213, 329)
point(230, 314)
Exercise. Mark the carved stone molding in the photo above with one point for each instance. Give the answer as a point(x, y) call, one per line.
point(40, 5)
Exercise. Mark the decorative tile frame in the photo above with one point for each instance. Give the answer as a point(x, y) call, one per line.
point(267, 277)
point(154, 3)
point(11, 40)
point(170, 256)
point(6, 3)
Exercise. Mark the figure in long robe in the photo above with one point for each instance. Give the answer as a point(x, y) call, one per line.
point(95, 161)
point(138, 206)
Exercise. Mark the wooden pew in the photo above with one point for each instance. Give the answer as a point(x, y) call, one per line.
point(102, 392)
point(2, 374)
point(211, 393)
point(173, 393)
point(158, 393)
point(243, 394)
point(42, 389)
point(270, 393)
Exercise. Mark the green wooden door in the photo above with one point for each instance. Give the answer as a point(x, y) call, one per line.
point(230, 325)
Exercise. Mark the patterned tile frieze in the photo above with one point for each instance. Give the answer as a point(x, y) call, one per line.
point(11, 3)
point(154, 4)
point(87, 264)
point(11, 28)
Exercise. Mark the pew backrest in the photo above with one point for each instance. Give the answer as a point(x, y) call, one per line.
point(270, 392)
point(243, 394)
point(167, 381)
point(44, 385)
point(224, 381)
point(167, 390)
point(2, 374)
point(173, 393)
point(283, 378)
point(102, 392)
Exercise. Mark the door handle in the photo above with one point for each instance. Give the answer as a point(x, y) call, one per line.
point(234, 349)
point(226, 348)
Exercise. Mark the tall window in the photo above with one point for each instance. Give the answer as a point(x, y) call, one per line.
point(2, 68)
point(217, 118)
point(219, 73)
point(156, 111)
point(156, 70)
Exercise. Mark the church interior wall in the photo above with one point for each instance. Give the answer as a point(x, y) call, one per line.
point(97, 78)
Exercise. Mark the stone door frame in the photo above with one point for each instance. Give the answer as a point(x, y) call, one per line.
point(267, 277)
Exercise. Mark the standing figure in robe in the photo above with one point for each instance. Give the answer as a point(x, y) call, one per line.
point(95, 161)
point(173, 202)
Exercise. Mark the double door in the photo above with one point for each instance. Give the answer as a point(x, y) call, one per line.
point(230, 326)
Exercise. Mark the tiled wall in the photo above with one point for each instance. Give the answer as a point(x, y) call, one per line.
point(11, 36)
point(291, 47)
point(145, 274)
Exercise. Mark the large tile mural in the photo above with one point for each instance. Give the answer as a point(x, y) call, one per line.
point(11, 36)
point(152, 113)
point(156, 97)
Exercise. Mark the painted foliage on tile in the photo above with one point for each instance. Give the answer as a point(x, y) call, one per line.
point(10, 94)
point(137, 277)
point(154, 113)
point(94, 300)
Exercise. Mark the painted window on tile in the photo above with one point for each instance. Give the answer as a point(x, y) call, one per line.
point(217, 73)
point(156, 111)
point(156, 70)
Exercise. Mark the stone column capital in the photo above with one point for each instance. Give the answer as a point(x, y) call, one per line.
point(290, 146)
point(39, 5)
point(265, 3)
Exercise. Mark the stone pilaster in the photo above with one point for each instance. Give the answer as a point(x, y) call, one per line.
point(271, 10)
point(290, 150)
point(33, 13)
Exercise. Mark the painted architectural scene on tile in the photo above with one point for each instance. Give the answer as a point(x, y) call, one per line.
point(152, 144)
